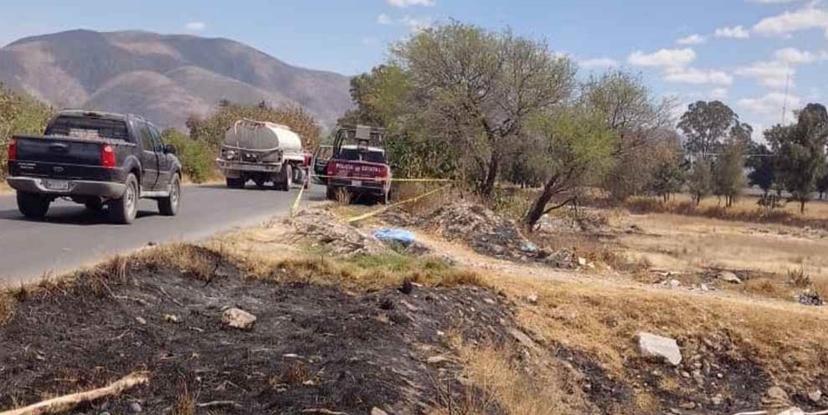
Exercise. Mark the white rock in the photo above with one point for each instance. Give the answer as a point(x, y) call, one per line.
point(792, 411)
point(238, 318)
point(730, 277)
point(675, 283)
point(532, 298)
point(377, 411)
point(652, 345)
point(815, 395)
point(582, 261)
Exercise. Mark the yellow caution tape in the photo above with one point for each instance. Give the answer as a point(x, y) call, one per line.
point(385, 208)
point(295, 205)
point(393, 179)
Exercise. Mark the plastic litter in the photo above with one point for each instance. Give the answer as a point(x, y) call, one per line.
point(395, 235)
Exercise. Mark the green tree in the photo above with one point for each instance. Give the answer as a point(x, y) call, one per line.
point(642, 124)
point(706, 125)
point(822, 185)
point(761, 165)
point(800, 150)
point(667, 178)
point(728, 174)
point(700, 180)
point(479, 88)
point(19, 114)
point(577, 147)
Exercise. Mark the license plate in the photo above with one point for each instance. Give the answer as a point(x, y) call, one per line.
point(356, 183)
point(56, 184)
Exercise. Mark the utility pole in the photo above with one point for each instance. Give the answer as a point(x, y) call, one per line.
point(785, 101)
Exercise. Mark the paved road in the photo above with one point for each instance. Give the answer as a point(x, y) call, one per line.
point(72, 236)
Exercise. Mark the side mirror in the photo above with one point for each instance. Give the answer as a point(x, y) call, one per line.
point(170, 149)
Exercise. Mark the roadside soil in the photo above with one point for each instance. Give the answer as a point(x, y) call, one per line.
point(312, 347)
point(476, 330)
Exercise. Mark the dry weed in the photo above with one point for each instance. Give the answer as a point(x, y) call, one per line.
point(508, 386)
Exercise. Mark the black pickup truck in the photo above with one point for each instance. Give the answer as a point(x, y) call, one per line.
point(102, 160)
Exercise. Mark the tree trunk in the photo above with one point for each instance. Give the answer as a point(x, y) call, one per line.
point(488, 184)
point(538, 208)
point(802, 206)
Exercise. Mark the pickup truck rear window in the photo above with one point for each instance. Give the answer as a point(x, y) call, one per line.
point(353, 154)
point(88, 127)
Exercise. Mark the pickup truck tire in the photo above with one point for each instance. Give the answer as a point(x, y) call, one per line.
point(168, 206)
point(32, 206)
point(125, 209)
point(235, 183)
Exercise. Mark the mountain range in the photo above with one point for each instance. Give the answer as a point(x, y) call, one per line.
point(166, 78)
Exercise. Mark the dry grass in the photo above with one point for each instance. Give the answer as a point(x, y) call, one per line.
point(370, 272)
point(746, 209)
point(602, 319)
point(506, 385)
point(186, 402)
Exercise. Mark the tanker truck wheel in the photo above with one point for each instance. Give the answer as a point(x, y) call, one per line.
point(235, 183)
point(286, 178)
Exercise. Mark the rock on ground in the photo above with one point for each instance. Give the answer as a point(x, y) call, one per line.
point(730, 277)
point(238, 318)
point(666, 348)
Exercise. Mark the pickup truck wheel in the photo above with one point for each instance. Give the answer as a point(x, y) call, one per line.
point(125, 209)
point(168, 206)
point(32, 206)
point(235, 183)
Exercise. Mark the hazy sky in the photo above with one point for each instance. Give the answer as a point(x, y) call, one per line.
point(743, 52)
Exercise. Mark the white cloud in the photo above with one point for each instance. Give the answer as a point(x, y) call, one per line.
point(195, 26)
point(771, 105)
point(385, 19)
point(735, 32)
point(600, 63)
point(771, 1)
point(663, 58)
point(697, 76)
point(415, 24)
point(810, 17)
point(772, 74)
point(408, 3)
point(795, 56)
point(719, 93)
point(694, 39)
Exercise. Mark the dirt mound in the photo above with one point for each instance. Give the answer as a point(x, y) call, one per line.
point(323, 228)
point(485, 231)
point(311, 347)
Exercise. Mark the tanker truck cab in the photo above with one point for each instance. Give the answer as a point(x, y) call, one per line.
point(262, 152)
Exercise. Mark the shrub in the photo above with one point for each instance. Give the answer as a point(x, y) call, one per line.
point(196, 156)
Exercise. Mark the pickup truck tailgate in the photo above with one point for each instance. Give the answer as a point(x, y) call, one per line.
point(59, 157)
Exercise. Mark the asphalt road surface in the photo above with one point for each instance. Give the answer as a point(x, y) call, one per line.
point(71, 236)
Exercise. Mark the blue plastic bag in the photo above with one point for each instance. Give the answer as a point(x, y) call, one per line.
point(395, 235)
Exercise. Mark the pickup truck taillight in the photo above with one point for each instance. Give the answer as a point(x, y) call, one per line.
point(330, 168)
point(12, 150)
point(108, 157)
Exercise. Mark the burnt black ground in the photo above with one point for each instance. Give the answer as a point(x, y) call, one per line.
point(311, 347)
